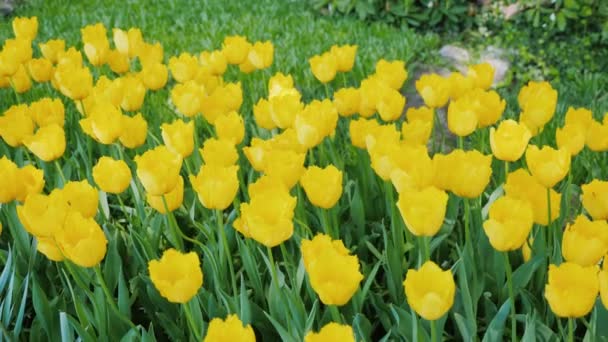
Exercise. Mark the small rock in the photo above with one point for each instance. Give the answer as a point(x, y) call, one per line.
point(7, 7)
point(498, 58)
point(457, 56)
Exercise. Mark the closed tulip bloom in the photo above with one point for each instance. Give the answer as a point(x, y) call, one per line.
point(112, 176)
point(509, 140)
point(118, 62)
point(581, 116)
point(413, 169)
point(40, 69)
point(260, 55)
point(149, 53)
point(158, 170)
point(278, 83)
point(537, 101)
point(390, 105)
point(268, 218)
point(177, 276)
point(133, 99)
point(26, 28)
point(262, 115)
point(369, 95)
point(16, 125)
point(42, 215)
point(392, 73)
point(285, 107)
point(423, 211)
point(521, 185)
point(188, 97)
point(509, 223)
point(346, 101)
point(285, 165)
point(104, 124)
point(49, 248)
point(47, 111)
point(323, 186)
point(333, 273)
point(416, 132)
point(287, 140)
point(174, 198)
point(222, 100)
point(471, 173)
point(548, 165)
point(178, 136)
point(462, 118)
point(597, 136)
point(219, 152)
point(8, 63)
point(216, 185)
point(332, 332)
point(48, 143)
point(256, 152)
point(572, 289)
point(81, 197)
point(135, 131)
point(21, 80)
point(460, 85)
point(434, 90)
point(265, 184)
point(236, 49)
point(230, 127)
point(585, 242)
point(359, 129)
point(184, 67)
point(571, 137)
point(345, 56)
point(74, 82)
point(51, 49)
point(230, 329)
point(70, 57)
point(82, 240)
point(154, 76)
point(482, 75)
point(324, 67)
point(30, 180)
point(429, 290)
point(213, 62)
point(96, 44)
point(488, 106)
point(595, 199)
point(129, 42)
point(380, 135)
point(18, 49)
point(315, 122)
point(8, 180)
point(421, 113)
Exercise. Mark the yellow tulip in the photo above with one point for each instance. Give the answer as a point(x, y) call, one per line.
point(585, 242)
point(74, 82)
point(597, 136)
point(230, 329)
point(219, 152)
point(184, 67)
point(96, 44)
point(288, 140)
point(603, 282)
point(416, 132)
point(21, 80)
point(284, 108)
point(265, 184)
point(262, 115)
point(526, 251)
point(118, 62)
point(133, 99)
point(127, 42)
point(317, 121)
point(30, 180)
point(332, 332)
point(571, 137)
point(422, 113)
point(111, 176)
point(49, 248)
point(213, 62)
point(8, 180)
point(434, 89)
point(572, 289)
point(8, 62)
point(333, 273)
point(158, 170)
point(71, 57)
point(462, 117)
point(104, 124)
point(393, 73)
point(488, 106)
point(16, 125)
point(390, 105)
point(26, 28)
point(595, 199)
point(471, 173)
point(460, 85)
point(268, 217)
point(324, 67)
point(256, 152)
point(148, 53)
point(51, 49)
point(285, 165)
point(154, 76)
point(381, 135)
point(429, 290)
point(42, 215)
point(509, 223)
point(188, 97)
point(177, 276)
point(174, 198)
point(345, 56)
point(178, 136)
point(582, 116)
point(224, 99)
point(230, 127)
point(236, 49)
point(423, 211)
point(81, 240)
point(482, 75)
point(548, 165)
point(40, 69)
point(413, 169)
point(19, 50)
point(216, 185)
point(537, 101)
point(47, 111)
point(81, 197)
point(509, 141)
point(323, 186)
point(48, 143)
point(369, 95)
point(521, 185)
point(279, 83)
point(135, 131)
point(346, 101)
point(260, 55)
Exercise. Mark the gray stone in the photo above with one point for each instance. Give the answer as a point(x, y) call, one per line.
point(498, 58)
point(7, 7)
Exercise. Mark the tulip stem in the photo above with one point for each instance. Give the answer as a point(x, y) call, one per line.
point(433, 331)
point(549, 235)
point(220, 226)
point(60, 170)
point(511, 296)
point(467, 230)
point(273, 269)
point(426, 248)
point(84, 111)
point(15, 91)
point(327, 91)
point(190, 320)
point(335, 313)
point(110, 298)
point(173, 225)
point(461, 143)
point(506, 170)
point(570, 329)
